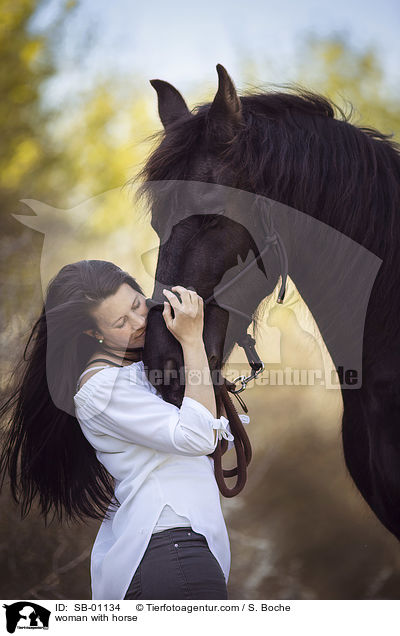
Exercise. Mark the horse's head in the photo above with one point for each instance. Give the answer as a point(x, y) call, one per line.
point(205, 241)
point(197, 255)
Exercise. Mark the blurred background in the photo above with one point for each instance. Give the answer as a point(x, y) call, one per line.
point(76, 113)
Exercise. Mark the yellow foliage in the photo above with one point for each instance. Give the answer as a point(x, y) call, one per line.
point(30, 51)
point(25, 156)
point(13, 13)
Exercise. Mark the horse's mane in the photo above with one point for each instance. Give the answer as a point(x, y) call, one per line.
point(301, 149)
point(344, 172)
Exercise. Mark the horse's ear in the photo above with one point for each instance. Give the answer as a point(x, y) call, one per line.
point(171, 105)
point(226, 108)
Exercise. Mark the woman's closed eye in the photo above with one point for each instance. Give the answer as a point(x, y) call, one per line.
point(123, 324)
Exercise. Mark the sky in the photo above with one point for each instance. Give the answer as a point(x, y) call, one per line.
point(182, 42)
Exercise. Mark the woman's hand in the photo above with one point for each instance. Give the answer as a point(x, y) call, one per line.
point(187, 325)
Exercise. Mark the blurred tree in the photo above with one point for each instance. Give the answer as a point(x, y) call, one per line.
point(103, 138)
point(26, 153)
point(334, 68)
point(62, 155)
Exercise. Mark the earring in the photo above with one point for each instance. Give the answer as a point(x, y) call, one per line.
point(100, 340)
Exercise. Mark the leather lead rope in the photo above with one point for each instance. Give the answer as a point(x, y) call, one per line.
point(242, 447)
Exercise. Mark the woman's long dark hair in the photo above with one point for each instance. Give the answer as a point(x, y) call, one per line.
point(57, 463)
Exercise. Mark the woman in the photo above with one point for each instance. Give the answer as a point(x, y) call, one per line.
point(98, 440)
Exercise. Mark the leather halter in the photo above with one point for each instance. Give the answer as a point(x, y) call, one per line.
point(241, 439)
point(246, 341)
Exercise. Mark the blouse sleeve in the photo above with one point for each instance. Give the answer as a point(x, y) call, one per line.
point(117, 406)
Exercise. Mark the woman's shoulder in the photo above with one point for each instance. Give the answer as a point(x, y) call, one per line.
point(104, 357)
point(110, 386)
point(97, 379)
point(105, 379)
point(96, 363)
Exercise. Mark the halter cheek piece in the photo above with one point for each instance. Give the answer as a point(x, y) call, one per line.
point(246, 341)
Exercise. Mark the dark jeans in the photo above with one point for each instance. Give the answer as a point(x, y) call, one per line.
point(178, 564)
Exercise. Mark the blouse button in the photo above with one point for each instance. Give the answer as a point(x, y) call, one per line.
point(176, 545)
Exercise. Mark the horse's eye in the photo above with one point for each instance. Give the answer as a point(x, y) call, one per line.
point(213, 222)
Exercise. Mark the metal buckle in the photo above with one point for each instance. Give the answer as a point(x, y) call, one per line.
point(245, 379)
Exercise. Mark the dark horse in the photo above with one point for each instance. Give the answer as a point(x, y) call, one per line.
point(289, 147)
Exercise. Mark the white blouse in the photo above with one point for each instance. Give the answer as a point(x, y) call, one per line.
point(158, 455)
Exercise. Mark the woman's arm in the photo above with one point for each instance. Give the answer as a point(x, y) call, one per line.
point(198, 377)
point(187, 327)
point(118, 405)
point(198, 384)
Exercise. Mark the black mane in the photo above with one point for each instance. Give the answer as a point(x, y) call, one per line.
point(298, 148)
point(343, 172)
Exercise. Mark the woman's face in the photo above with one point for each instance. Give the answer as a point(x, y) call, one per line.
point(121, 319)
